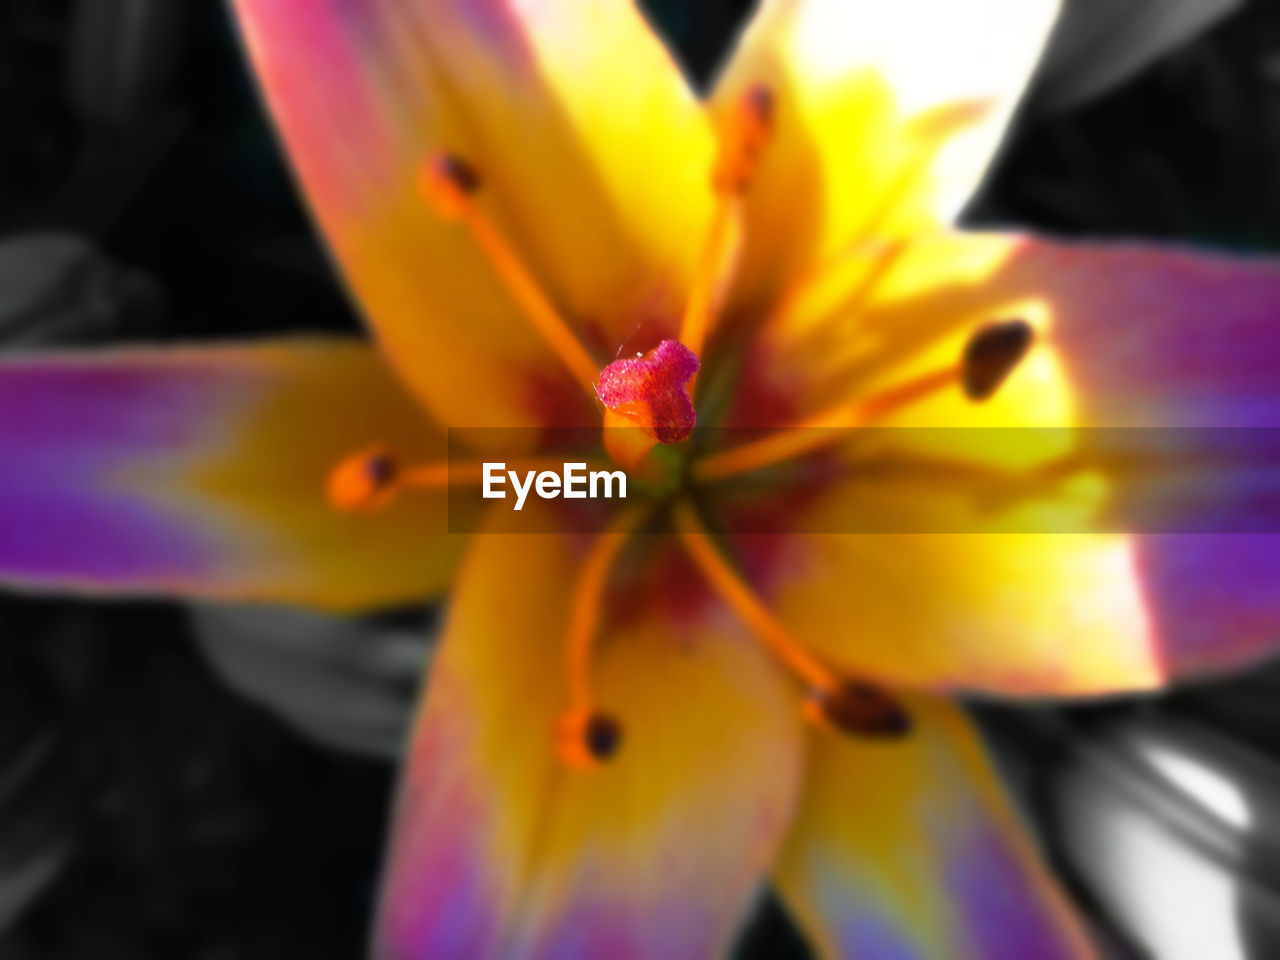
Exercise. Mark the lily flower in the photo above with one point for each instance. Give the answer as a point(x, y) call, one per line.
point(625, 736)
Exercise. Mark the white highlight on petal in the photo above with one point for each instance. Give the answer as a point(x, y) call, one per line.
point(1168, 895)
point(1207, 786)
point(931, 52)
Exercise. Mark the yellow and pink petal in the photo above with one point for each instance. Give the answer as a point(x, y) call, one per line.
point(1124, 491)
point(500, 848)
point(906, 849)
point(562, 110)
point(203, 472)
point(1186, 348)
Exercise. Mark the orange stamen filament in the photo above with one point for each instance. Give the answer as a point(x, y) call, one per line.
point(715, 272)
point(588, 602)
point(585, 737)
point(749, 131)
point(450, 187)
point(431, 476)
point(749, 608)
point(371, 479)
point(821, 430)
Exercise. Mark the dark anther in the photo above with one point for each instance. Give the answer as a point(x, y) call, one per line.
point(456, 171)
point(749, 131)
point(602, 736)
point(365, 480)
point(863, 710)
point(447, 182)
point(991, 355)
point(381, 470)
point(758, 103)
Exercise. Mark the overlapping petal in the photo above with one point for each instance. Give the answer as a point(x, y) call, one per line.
point(569, 113)
point(888, 116)
point(1159, 555)
point(501, 850)
point(203, 472)
point(1015, 614)
point(907, 850)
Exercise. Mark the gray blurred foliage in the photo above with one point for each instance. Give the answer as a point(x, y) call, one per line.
point(123, 57)
point(1098, 44)
point(37, 795)
point(343, 682)
point(57, 289)
point(1174, 826)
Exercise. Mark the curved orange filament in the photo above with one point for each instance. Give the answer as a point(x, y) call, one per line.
point(588, 597)
point(370, 479)
point(584, 736)
point(749, 131)
point(822, 430)
point(450, 186)
point(748, 607)
point(429, 476)
point(716, 267)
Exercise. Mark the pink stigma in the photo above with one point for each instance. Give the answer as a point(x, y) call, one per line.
point(650, 390)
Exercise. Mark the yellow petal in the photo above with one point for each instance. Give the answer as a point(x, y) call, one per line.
point(1105, 523)
point(203, 472)
point(500, 849)
point(908, 849)
point(888, 116)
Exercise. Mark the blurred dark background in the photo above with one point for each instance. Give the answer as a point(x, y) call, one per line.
point(153, 807)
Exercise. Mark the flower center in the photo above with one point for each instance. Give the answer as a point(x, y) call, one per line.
point(851, 705)
point(647, 401)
